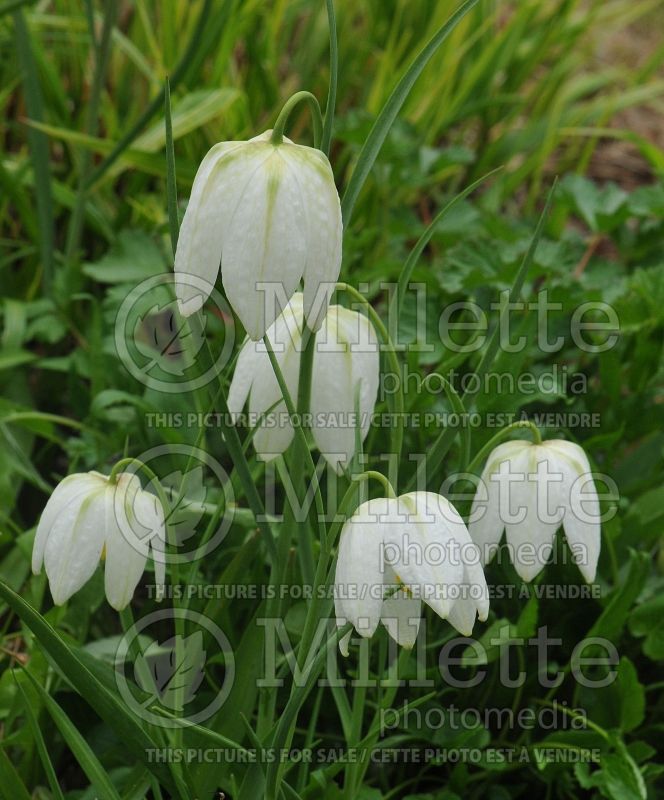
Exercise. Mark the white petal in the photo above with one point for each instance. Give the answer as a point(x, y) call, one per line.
point(70, 490)
point(127, 539)
point(275, 433)
point(247, 364)
point(265, 247)
point(421, 549)
point(358, 580)
point(333, 396)
point(150, 515)
point(531, 538)
point(578, 496)
point(401, 616)
point(486, 524)
point(324, 228)
point(462, 616)
point(75, 543)
point(221, 177)
point(360, 334)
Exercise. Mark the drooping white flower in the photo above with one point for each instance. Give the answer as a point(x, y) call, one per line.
point(394, 554)
point(346, 361)
point(88, 518)
point(269, 214)
point(530, 490)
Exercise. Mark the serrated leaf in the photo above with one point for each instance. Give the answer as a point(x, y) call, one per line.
point(132, 258)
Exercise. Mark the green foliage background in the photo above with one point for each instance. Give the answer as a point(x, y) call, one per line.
point(83, 217)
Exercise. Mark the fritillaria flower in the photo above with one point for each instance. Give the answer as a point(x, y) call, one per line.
point(394, 554)
point(89, 517)
point(269, 215)
point(346, 365)
point(530, 490)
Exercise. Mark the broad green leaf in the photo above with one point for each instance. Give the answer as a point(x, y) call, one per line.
point(133, 257)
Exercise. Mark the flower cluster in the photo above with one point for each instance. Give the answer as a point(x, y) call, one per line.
point(266, 213)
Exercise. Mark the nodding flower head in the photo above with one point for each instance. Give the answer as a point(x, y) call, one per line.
point(269, 215)
point(89, 517)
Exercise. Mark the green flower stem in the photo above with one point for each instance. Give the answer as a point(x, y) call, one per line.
point(298, 455)
point(377, 476)
point(324, 576)
point(299, 435)
point(488, 447)
point(396, 435)
point(175, 569)
point(316, 116)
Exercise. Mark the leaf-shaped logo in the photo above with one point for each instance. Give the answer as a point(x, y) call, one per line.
point(187, 493)
point(172, 672)
point(167, 340)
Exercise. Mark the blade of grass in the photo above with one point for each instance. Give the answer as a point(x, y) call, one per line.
point(158, 101)
point(441, 445)
point(102, 54)
point(105, 703)
point(11, 785)
point(80, 749)
point(283, 733)
point(40, 744)
point(38, 144)
point(390, 110)
point(171, 183)
point(334, 70)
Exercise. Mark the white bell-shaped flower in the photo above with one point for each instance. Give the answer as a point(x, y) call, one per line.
point(88, 518)
point(530, 490)
point(269, 214)
point(394, 554)
point(346, 365)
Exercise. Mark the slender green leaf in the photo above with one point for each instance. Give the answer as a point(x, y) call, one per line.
point(81, 750)
point(40, 744)
point(158, 101)
point(328, 121)
point(106, 704)
point(38, 143)
point(390, 110)
point(171, 184)
point(11, 785)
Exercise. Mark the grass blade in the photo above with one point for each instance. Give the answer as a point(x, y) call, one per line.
point(101, 53)
point(11, 785)
point(38, 144)
point(334, 70)
point(171, 185)
point(80, 749)
point(106, 704)
point(40, 744)
point(158, 101)
point(391, 109)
